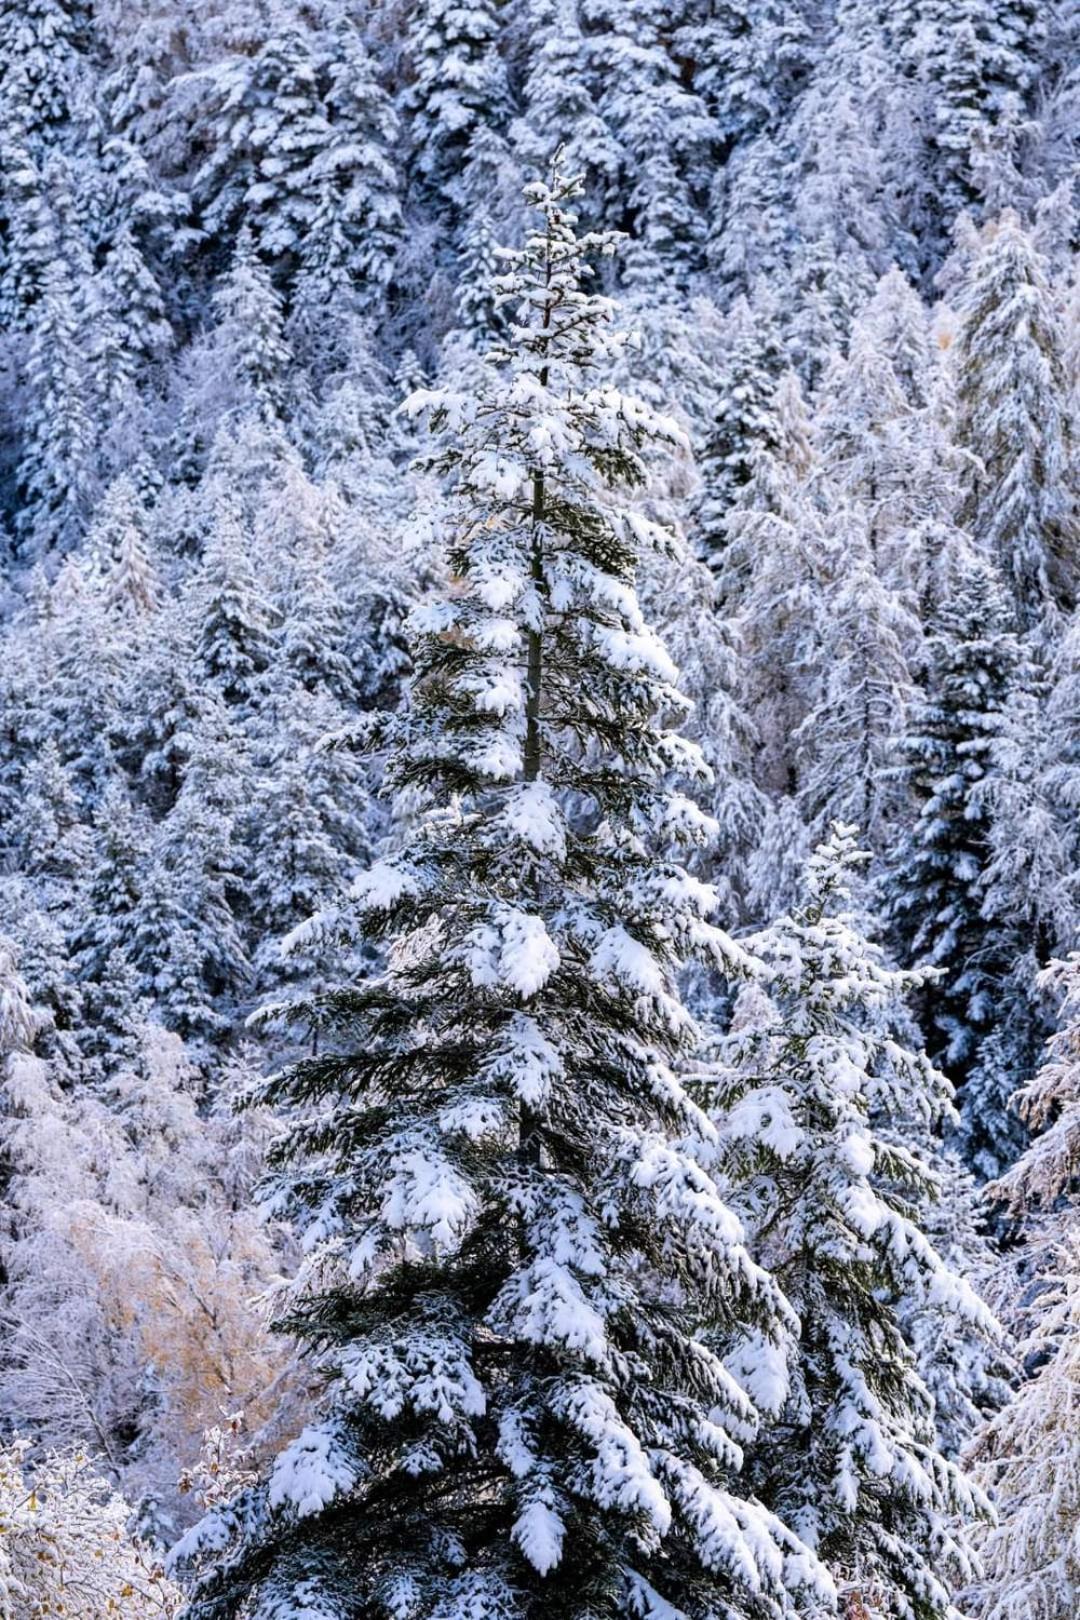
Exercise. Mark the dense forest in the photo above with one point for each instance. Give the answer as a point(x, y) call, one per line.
point(539, 809)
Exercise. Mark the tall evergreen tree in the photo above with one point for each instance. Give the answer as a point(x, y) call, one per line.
point(111, 884)
point(49, 836)
point(355, 233)
point(117, 546)
point(30, 237)
point(710, 656)
point(183, 935)
point(772, 582)
point(1013, 417)
point(232, 618)
point(971, 58)
point(514, 1263)
point(664, 135)
point(846, 745)
point(938, 886)
point(45, 61)
point(130, 330)
point(310, 817)
point(298, 145)
point(896, 320)
point(54, 473)
point(743, 421)
point(560, 101)
point(807, 1087)
point(458, 87)
point(250, 334)
point(1030, 1453)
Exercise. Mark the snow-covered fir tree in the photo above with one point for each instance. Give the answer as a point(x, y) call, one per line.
point(846, 745)
point(1029, 1455)
point(131, 330)
point(232, 618)
point(1014, 419)
point(743, 420)
point(458, 87)
point(773, 583)
point(819, 1106)
point(938, 886)
point(514, 1265)
point(117, 542)
point(54, 470)
point(233, 236)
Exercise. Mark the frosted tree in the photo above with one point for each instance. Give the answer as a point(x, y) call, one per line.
point(130, 328)
point(117, 543)
point(18, 1023)
point(458, 87)
point(476, 294)
point(1030, 881)
point(44, 960)
point(896, 318)
point(54, 473)
point(65, 1546)
point(111, 883)
point(890, 455)
point(836, 189)
point(806, 1085)
point(355, 233)
point(971, 1376)
point(743, 419)
point(958, 105)
point(250, 333)
point(185, 939)
point(232, 618)
point(860, 419)
point(311, 819)
point(510, 1258)
point(49, 837)
point(794, 431)
point(971, 58)
point(130, 1254)
point(166, 693)
point(710, 655)
point(750, 203)
point(559, 96)
point(44, 62)
point(664, 136)
point(773, 584)
point(1049, 1104)
point(846, 745)
point(884, 433)
point(775, 866)
point(31, 241)
point(938, 888)
point(260, 125)
point(86, 674)
point(24, 720)
point(1013, 418)
point(315, 627)
point(298, 142)
point(750, 62)
point(1029, 1454)
point(1057, 753)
